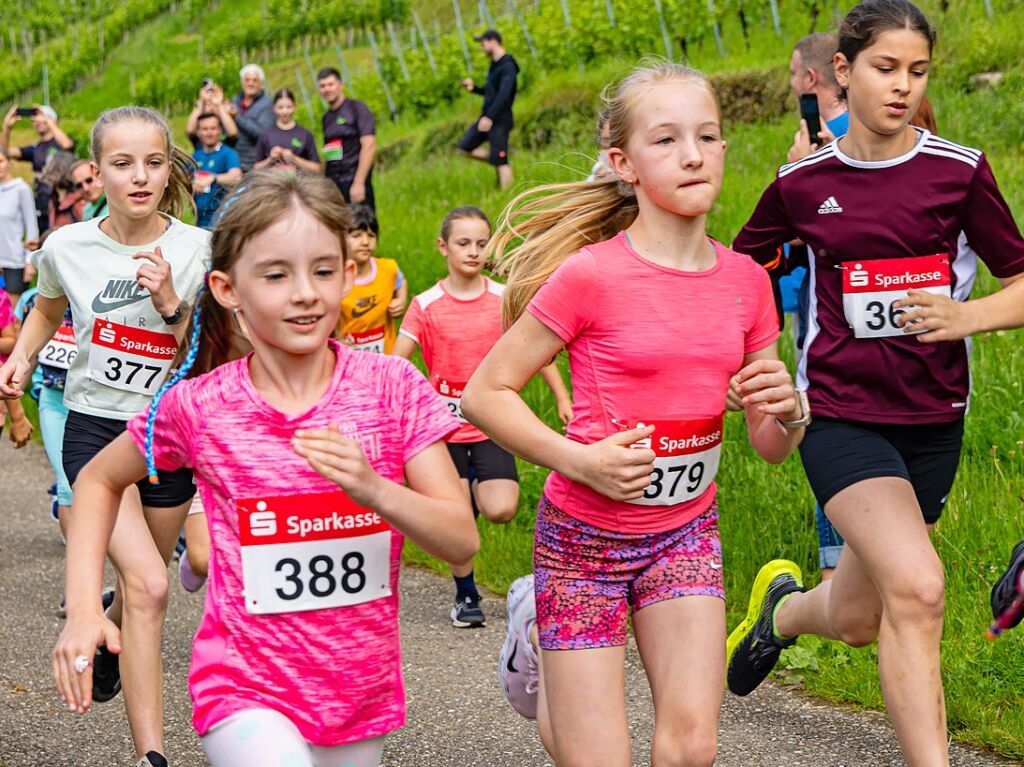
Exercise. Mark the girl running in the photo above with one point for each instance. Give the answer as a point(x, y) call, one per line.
point(628, 520)
point(455, 323)
point(300, 450)
point(884, 209)
point(285, 145)
point(129, 279)
point(380, 293)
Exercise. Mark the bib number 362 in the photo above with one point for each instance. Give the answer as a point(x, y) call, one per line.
point(130, 359)
point(312, 551)
point(872, 287)
point(687, 454)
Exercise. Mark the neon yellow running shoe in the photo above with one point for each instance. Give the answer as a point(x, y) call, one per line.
point(753, 648)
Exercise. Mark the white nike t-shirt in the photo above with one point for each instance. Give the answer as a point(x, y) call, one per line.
point(116, 376)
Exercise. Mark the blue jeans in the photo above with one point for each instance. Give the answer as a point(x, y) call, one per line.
point(53, 414)
point(830, 542)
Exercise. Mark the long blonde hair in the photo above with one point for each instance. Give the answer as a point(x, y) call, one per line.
point(542, 227)
point(177, 197)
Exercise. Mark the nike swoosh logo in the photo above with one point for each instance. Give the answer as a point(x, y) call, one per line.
point(509, 665)
point(99, 305)
point(358, 313)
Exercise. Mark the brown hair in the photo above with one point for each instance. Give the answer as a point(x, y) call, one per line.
point(259, 202)
point(178, 194)
point(925, 117)
point(542, 227)
point(867, 20)
point(456, 214)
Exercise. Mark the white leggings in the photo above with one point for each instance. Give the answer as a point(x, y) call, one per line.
point(261, 737)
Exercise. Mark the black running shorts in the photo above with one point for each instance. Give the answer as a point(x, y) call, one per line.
point(14, 280)
point(85, 435)
point(497, 136)
point(483, 461)
point(837, 454)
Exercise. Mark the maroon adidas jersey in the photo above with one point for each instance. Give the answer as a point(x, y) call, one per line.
point(876, 229)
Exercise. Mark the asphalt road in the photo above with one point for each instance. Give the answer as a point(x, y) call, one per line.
point(457, 715)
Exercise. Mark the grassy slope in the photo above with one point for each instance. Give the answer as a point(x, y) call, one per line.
point(767, 511)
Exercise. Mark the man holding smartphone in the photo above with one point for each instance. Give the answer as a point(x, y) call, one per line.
point(811, 74)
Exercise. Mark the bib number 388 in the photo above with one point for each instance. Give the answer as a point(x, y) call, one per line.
point(310, 552)
point(130, 359)
point(872, 287)
point(686, 460)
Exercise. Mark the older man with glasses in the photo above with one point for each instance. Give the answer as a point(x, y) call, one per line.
point(85, 181)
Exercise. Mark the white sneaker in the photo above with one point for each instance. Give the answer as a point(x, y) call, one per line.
point(518, 669)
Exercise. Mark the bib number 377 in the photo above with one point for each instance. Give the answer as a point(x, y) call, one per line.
point(310, 552)
point(686, 460)
point(130, 359)
point(872, 287)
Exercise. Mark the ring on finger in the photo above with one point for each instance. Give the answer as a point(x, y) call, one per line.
point(82, 662)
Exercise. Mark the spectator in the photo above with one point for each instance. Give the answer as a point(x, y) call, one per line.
point(86, 180)
point(18, 225)
point(495, 122)
point(51, 139)
point(253, 113)
point(350, 141)
point(217, 166)
point(66, 205)
point(285, 144)
point(811, 71)
point(211, 99)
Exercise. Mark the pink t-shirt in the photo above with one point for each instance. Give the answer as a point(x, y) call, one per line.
point(454, 336)
point(651, 344)
point(335, 672)
point(6, 316)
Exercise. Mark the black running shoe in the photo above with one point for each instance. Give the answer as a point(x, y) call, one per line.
point(467, 614)
point(106, 675)
point(753, 649)
point(1010, 584)
point(152, 759)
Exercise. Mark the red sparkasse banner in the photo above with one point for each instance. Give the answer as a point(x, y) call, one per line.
point(896, 274)
point(449, 388)
point(681, 437)
point(137, 341)
point(367, 336)
point(65, 335)
point(306, 517)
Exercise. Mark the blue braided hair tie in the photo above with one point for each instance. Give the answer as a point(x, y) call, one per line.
point(180, 373)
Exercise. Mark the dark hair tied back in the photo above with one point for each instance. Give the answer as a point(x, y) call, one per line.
point(867, 20)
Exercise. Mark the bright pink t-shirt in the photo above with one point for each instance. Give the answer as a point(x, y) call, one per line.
point(650, 344)
point(335, 672)
point(454, 336)
point(6, 316)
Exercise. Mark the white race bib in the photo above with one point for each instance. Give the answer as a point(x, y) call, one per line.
point(451, 393)
point(61, 350)
point(368, 340)
point(311, 552)
point(686, 460)
point(871, 287)
point(131, 359)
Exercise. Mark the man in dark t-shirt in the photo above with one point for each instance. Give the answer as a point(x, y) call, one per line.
point(495, 121)
point(51, 140)
point(350, 141)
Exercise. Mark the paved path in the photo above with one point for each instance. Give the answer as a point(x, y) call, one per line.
point(457, 715)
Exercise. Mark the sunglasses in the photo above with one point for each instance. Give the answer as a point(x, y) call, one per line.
point(84, 183)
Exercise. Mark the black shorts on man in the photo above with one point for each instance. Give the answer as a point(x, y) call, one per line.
point(497, 136)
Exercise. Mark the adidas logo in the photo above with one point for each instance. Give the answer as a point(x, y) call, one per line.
point(830, 206)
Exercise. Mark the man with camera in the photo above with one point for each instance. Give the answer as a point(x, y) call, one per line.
point(211, 101)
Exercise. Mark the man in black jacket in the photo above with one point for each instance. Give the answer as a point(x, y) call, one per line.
point(495, 121)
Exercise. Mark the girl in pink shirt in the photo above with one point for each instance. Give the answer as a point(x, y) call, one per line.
point(301, 450)
point(659, 321)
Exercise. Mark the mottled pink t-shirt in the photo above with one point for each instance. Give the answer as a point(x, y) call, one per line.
point(335, 672)
point(650, 344)
point(6, 316)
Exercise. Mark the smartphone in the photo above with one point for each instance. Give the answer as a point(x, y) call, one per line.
point(809, 112)
point(26, 112)
point(207, 83)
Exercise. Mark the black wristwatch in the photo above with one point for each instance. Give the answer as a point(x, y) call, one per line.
point(177, 316)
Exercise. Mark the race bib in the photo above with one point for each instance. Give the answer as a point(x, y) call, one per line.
point(61, 350)
point(311, 552)
point(870, 288)
point(333, 150)
point(451, 393)
point(368, 340)
point(686, 459)
point(131, 359)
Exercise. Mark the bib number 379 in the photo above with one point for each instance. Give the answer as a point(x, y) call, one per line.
point(310, 552)
point(872, 287)
point(130, 359)
point(687, 454)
